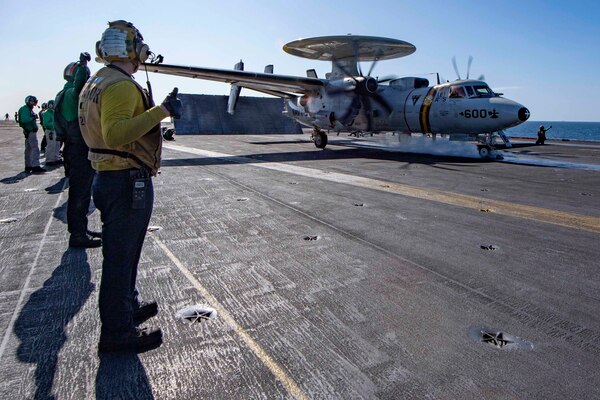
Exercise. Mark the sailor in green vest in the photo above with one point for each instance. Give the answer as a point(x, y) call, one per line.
point(27, 121)
point(52, 146)
point(121, 126)
point(40, 118)
point(77, 166)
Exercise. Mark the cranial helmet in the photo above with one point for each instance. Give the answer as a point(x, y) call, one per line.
point(121, 41)
point(50, 104)
point(69, 73)
point(31, 100)
point(44, 106)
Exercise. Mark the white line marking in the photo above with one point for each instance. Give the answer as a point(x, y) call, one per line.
point(19, 304)
point(577, 221)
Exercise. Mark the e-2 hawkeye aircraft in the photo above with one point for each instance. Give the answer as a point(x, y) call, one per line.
point(349, 101)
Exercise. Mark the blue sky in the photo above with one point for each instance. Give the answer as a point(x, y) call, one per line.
point(543, 54)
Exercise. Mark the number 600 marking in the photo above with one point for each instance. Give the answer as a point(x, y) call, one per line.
point(476, 113)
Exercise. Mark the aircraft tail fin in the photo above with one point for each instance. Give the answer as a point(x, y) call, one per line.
point(234, 93)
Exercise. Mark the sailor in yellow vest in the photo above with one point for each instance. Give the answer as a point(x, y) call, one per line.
point(121, 126)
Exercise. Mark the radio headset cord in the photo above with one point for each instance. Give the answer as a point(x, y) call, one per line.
point(154, 59)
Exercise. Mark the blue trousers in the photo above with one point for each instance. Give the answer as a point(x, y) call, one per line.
point(81, 176)
point(123, 232)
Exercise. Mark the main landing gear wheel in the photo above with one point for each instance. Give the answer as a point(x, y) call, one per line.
point(484, 151)
point(320, 139)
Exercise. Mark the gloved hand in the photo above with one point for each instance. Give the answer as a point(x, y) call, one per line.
point(168, 134)
point(84, 58)
point(173, 104)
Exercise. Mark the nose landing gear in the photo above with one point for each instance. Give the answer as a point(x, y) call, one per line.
point(489, 152)
point(487, 144)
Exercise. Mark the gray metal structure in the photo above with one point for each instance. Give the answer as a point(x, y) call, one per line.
point(207, 114)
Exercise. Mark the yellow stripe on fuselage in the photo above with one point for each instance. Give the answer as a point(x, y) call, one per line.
point(425, 108)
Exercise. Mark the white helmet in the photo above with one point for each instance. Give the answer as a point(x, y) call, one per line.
point(121, 41)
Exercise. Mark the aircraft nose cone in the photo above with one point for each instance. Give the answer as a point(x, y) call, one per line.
point(523, 114)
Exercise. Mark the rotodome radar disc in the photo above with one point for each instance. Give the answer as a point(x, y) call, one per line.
point(364, 48)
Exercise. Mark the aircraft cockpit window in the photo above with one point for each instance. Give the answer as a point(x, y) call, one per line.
point(470, 92)
point(483, 91)
point(457, 92)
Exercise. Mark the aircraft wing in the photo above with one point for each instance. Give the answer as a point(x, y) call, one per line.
point(277, 85)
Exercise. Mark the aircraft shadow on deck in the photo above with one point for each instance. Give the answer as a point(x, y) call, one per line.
point(346, 154)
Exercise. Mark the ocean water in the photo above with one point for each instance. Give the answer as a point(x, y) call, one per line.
point(561, 130)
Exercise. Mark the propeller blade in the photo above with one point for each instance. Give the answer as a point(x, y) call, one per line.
point(375, 61)
point(469, 66)
point(481, 77)
point(351, 109)
point(344, 70)
point(373, 66)
point(455, 66)
point(356, 60)
point(366, 103)
point(382, 102)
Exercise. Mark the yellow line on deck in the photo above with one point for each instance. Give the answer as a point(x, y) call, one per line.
point(290, 385)
point(569, 220)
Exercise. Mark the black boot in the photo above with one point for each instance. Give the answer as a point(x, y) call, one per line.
point(144, 311)
point(83, 240)
point(136, 341)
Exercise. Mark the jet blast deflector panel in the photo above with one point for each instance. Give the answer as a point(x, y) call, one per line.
point(207, 114)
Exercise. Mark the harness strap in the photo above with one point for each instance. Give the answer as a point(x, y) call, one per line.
point(122, 154)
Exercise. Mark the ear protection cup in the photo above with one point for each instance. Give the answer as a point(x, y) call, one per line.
point(142, 51)
point(98, 53)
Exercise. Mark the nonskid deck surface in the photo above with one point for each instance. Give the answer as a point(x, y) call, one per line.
point(348, 272)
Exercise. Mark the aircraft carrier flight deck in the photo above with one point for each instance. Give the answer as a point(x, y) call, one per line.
point(345, 273)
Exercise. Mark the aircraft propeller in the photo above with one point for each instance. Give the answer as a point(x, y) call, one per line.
point(481, 77)
point(364, 89)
